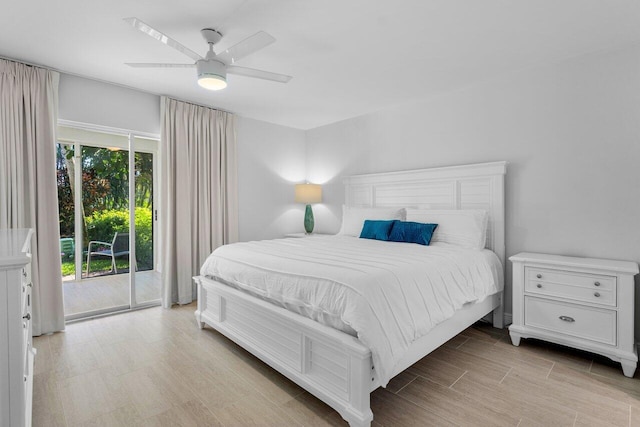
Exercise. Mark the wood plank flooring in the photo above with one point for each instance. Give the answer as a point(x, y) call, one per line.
point(154, 367)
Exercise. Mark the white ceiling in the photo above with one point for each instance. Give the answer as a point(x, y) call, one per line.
point(348, 57)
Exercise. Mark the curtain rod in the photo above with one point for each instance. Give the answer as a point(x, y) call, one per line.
point(197, 104)
point(32, 64)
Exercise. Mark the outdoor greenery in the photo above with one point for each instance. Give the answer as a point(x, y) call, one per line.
point(103, 225)
point(105, 197)
point(97, 264)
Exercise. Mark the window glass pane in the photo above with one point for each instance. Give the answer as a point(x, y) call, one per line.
point(66, 207)
point(147, 279)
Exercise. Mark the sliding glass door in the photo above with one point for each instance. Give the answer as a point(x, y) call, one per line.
point(108, 230)
point(147, 280)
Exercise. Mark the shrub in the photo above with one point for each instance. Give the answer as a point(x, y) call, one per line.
point(102, 225)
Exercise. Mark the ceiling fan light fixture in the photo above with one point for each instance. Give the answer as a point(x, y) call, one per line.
point(212, 82)
point(212, 75)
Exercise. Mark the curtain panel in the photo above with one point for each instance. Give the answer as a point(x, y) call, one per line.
point(199, 191)
point(28, 192)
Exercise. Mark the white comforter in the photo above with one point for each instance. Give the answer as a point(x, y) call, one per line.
point(389, 293)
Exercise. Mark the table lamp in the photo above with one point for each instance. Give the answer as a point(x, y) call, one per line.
point(308, 193)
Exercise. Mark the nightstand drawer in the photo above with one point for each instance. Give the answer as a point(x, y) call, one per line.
point(584, 280)
point(574, 320)
point(588, 294)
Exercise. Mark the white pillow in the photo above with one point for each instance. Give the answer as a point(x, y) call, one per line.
point(353, 218)
point(464, 227)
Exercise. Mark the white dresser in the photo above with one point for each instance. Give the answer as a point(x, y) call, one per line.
point(584, 303)
point(16, 352)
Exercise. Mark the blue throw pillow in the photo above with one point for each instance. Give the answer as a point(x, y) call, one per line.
point(378, 230)
point(412, 232)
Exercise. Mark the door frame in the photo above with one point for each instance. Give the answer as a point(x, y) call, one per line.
point(131, 136)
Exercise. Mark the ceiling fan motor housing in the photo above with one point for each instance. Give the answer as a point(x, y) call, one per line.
point(210, 35)
point(212, 74)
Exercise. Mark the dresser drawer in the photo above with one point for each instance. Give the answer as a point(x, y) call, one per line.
point(26, 299)
point(589, 323)
point(26, 342)
point(25, 279)
point(584, 280)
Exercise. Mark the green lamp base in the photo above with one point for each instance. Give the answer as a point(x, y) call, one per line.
point(308, 219)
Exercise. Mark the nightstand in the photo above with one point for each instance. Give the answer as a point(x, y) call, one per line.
point(584, 303)
point(301, 235)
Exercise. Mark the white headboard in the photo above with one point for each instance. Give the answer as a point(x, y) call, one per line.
point(478, 186)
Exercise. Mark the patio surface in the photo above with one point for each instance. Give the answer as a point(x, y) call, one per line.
point(112, 290)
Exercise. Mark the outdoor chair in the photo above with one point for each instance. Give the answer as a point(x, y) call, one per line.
point(67, 248)
point(117, 248)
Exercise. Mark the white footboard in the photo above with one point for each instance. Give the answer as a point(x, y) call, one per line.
point(333, 366)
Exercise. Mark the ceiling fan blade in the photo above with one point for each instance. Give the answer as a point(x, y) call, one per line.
point(246, 47)
point(259, 74)
point(163, 38)
point(157, 65)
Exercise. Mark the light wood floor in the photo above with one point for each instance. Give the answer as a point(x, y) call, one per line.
point(112, 290)
point(155, 367)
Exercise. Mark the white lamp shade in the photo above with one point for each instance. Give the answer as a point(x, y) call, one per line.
point(308, 193)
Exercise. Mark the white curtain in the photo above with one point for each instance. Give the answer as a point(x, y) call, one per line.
point(199, 192)
point(28, 192)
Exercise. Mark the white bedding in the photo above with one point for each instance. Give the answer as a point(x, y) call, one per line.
point(389, 294)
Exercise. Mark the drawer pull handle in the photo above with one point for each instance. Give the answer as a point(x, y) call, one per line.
point(597, 283)
point(567, 319)
point(27, 316)
point(539, 285)
point(539, 276)
point(596, 294)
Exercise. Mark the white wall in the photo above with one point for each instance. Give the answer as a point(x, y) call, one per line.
point(271, 158)
point(90, 101)
point(570, 132)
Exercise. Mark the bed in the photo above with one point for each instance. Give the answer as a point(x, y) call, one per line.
point(314, 349)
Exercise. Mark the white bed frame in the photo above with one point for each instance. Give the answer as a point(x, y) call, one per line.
point(334, 366)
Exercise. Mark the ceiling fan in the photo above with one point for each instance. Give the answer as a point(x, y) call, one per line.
point(213, 68)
